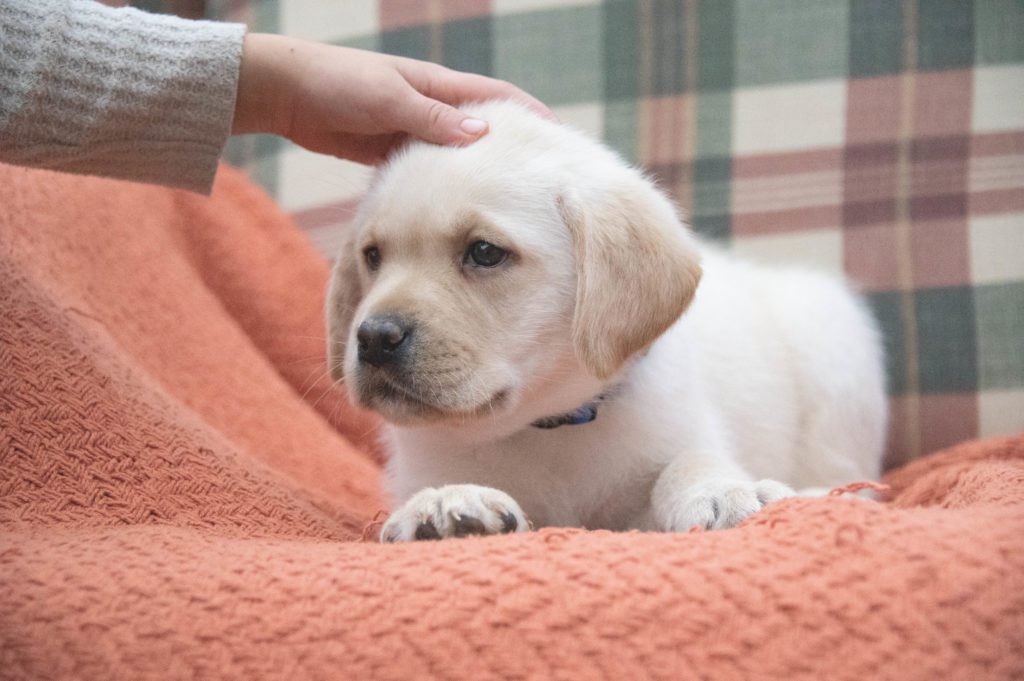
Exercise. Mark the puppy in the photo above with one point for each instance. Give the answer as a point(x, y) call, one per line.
point(551, 346)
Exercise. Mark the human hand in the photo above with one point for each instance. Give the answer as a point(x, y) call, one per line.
point(355, 104)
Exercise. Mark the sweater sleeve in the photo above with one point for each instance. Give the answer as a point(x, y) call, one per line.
point(90, 89)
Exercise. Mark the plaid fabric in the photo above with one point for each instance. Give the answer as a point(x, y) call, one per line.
point(877, 138)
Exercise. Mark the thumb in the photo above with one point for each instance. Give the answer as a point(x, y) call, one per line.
point(437, 122)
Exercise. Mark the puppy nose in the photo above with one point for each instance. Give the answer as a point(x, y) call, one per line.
point(381, 339)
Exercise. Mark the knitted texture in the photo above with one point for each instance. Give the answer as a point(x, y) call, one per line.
point(174, 502)
point(118, 92)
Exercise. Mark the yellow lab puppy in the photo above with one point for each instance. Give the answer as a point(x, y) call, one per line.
point(549, 342)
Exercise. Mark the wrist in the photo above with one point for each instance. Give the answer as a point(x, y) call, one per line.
point(262, 102)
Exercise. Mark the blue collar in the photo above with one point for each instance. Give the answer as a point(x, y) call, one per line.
point(578, 416)
point(585, 414)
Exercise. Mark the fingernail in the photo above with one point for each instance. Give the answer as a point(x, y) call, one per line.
point(473, 126)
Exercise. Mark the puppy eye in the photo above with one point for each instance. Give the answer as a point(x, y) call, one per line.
point(372, 256)
point(485, 254)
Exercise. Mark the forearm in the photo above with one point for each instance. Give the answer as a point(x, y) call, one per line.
point(116, 92)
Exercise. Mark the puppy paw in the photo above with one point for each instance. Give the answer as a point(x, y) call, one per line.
point(454, 511)
point(721, 503)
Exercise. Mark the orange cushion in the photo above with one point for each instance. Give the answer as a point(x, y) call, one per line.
point(180, 496)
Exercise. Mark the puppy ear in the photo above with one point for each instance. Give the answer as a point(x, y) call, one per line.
point(343, 296)
point(637, 269)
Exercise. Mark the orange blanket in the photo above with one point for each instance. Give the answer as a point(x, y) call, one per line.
point(180, 497)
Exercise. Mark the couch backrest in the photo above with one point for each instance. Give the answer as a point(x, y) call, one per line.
point(877, 138)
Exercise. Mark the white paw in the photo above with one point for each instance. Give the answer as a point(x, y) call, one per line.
point(721, 503)
point(454, 511)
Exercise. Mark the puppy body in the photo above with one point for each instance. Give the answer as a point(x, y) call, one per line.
point(711, 400)
point(769, 374)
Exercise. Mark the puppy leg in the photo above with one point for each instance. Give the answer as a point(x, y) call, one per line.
point(454, 511)
point(713, 497)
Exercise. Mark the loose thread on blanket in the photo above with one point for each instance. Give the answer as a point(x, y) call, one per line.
point(855, 487)
point(83, 313)
point(372, 528)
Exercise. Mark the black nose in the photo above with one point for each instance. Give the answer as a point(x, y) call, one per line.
point(382, 339)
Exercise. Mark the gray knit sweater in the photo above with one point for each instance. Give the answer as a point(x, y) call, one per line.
point(89, 89)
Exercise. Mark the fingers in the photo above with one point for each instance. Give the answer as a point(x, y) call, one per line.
point(407, 98)
point(455, 87)
point(458, 88)
point(437, 122)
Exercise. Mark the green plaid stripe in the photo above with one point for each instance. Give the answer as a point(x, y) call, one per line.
point(999, 321)
point(881, 138)
point(790, 40)
point(258, 154)
point(531, 50)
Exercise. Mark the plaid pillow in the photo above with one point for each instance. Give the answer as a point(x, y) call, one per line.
point(880, 139)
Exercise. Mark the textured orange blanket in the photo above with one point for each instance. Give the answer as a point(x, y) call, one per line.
point(181, 498)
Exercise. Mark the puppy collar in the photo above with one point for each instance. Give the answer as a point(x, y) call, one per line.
point(578, 416)
point(585, 414)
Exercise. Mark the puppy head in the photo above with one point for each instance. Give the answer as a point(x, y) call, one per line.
point(510, 278)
